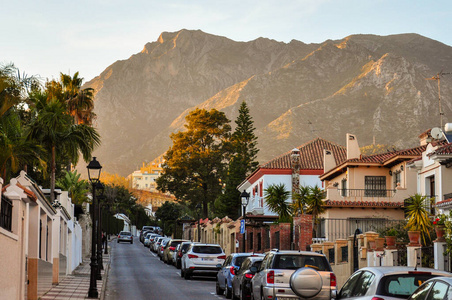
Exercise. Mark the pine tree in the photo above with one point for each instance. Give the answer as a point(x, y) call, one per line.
point(242, 163)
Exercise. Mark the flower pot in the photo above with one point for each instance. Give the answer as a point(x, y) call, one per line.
point(440, 231)
point(390, 242)
point(379, 244)
point(372, 246)
point(414, 237)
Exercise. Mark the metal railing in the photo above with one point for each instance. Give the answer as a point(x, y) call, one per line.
point(6, 213)
point(366, 193)
point(332, 229)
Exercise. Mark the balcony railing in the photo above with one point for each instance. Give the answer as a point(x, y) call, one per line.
point(366, 193)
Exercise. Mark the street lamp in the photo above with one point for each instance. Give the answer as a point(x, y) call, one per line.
point(94, 169)
point(245, 197)
point(198, 212)
point(100, 266)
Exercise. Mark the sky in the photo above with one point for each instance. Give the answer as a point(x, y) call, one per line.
point(44, 38)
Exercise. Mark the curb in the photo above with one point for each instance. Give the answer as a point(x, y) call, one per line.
point(105, 278)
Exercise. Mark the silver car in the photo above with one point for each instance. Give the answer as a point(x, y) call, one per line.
point(289, 275)
point(386, 283)
point(436, 288)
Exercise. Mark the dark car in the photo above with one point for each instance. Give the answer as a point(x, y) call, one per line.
point(241, 283)
point(144, 230)
point(125, 236)
point(230, 266)
point(181, 249)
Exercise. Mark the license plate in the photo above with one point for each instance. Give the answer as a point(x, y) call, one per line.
point(286, 298)
point(207, 259)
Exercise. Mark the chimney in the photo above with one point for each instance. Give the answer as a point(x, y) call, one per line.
point(352, 147)
point(328, 160)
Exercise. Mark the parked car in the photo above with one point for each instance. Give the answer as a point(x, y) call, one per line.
point(162, 246)
point(202, 259)
point(180, 251)
point(386, 282)
point(152, 240)
point(437, 288)
point(146, 239)
point(288, 274)
point(241, 283)
point(157, 244)
point(143, 231)
point(125, 236)
point(227, 271)
point(170, 249)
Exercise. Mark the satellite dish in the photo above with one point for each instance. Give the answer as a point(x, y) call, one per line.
point(436, 133)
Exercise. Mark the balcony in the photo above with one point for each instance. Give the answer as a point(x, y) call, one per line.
point(256, 205)
point(366, 197)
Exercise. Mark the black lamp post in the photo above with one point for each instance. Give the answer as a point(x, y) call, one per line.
point(198, 212)
point(94, 169)
point(107, 206)
point(245, 198)
point(100, 265)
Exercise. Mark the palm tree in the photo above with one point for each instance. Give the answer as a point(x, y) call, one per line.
point(315, 205)
point(300, 200)
point(276, 198)
point(418, 216)
point(53, 127)
point(79, 101)
point(77, 188)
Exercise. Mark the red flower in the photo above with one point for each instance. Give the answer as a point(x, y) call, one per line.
point(434, 222)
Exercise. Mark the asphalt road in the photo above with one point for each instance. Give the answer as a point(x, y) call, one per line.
point(137, 273)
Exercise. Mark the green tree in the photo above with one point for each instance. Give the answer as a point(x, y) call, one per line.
point(243, 162)
point(276, 197)
point(418, 216)
point(167, 214)
point(300, 200)
point(315, 205)
point(196, 161)
point(15, 150)
point(52, 127)
point(77, 188)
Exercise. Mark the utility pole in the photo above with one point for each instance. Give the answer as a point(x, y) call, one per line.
point(437, 77)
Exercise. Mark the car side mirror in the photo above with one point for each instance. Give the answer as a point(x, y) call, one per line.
point(253, 270)
point(219, 265)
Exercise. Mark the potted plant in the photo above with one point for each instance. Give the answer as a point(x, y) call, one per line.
point(419, 223)
point(391, 236)
point(440, 227)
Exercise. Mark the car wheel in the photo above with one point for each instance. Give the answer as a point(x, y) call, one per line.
point(228, 292)
point(118, 241)
point(187, 275)
point(218, 289)
point(181, 273)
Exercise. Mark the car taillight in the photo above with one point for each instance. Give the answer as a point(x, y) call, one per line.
point(222, 257)
point(271, 277)
point(232, 270)
point(161, 248)
point(249, 275)
point(377, 298)
point(172, 248)
point(332, 280)
point(192, 256)
point(179, 254)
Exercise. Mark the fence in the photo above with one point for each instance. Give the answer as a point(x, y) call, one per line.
point(366, 193)
point(332, 229)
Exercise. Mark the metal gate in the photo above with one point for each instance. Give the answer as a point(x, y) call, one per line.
point(425, 257)
point(400, 256)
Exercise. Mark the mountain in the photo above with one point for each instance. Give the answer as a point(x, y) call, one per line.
point(372, 86)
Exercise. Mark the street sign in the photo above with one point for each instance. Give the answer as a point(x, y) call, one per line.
point(242, 226)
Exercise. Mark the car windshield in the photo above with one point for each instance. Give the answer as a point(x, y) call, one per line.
point(299, 261)
point(207, 249)
point(124, 233)
point(402, 285)
point(239, 260)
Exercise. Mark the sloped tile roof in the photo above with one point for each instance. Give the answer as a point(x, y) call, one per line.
point(383, 157)
point(311, 154)
point(444, 150)
point(382, 204)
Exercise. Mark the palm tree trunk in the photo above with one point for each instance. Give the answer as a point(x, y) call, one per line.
point(52, 175)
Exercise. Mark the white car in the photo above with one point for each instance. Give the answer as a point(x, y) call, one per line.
point(202, 259)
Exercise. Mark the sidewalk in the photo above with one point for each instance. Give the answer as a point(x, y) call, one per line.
point(76, 285)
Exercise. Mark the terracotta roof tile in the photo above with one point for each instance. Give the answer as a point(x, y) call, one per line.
point(384, 204)
point(444, 150)
point(383, 157)
point(311, 154)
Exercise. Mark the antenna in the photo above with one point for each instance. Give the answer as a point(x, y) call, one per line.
point(437, 77)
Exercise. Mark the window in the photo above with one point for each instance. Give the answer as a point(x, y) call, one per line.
point(439, 291)
point(293, 262)
point(375, 186)
point(397, 178)
point(357, 285)
point(6, 213)
point(259, 241)
point(344, 187)
point(422, 293)
point(250, 240)
point(401, 285)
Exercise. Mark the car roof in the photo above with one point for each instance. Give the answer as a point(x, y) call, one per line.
point(200, 244)
point(296, 252)
point(401, 269)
